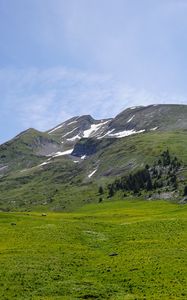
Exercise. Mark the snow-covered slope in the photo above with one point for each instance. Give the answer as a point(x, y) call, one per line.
point(134, 120)
point(71, 131)
point(76, 128)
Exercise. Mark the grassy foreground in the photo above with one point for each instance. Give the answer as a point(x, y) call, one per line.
point(71, 255)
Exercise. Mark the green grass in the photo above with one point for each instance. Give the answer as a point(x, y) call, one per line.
point(134, 151)
point(66, 255)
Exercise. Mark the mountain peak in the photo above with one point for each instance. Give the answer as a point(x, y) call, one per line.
point(28, 131)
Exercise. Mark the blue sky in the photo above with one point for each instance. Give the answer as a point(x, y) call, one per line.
point(61, 58)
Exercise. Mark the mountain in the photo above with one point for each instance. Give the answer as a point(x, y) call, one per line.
point(130, 121)
point(152, 117)
point(79, 127)
point(26, 150)
point(63, 167)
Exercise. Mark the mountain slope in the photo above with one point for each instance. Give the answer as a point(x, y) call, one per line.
point(152, 117)
point(63, 184)
point(26, 150)
point(62, 168)
point(71, 131)
point(130, 121)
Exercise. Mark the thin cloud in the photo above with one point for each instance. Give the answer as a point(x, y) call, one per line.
point(42, 98)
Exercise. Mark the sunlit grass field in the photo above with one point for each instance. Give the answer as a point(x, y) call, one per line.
point(113, 250)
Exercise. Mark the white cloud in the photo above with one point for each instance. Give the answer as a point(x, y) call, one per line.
point(141, 43)
point(43, 98)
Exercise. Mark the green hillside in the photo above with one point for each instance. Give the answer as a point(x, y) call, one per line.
point(65, 185)
point(135, 151)
point(26, 150)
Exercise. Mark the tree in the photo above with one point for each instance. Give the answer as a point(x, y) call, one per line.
point(185, 190)
point(111, 191)
point(149, 184)
point(100, 199)
point(101, 191)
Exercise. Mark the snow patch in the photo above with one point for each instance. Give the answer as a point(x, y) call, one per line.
point(83, 157)
point(2, 168)
point(67, 152)
point(76, 137)
point(125, 133)
point(92, 173)
point(69, 132)
point(72, 123)
point(155, 128)
point(93, 128)
point(131, 119)
point(43, 164)
point(106, 134)
point(134, 107)
point(56, 128)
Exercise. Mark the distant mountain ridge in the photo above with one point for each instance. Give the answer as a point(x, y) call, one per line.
point(130, 121)
point(83, 150)
point(62, 139)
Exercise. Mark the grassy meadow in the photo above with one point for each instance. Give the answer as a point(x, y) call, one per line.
point(112, 250)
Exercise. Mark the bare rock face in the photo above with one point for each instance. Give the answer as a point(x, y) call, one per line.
point(164, 196)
